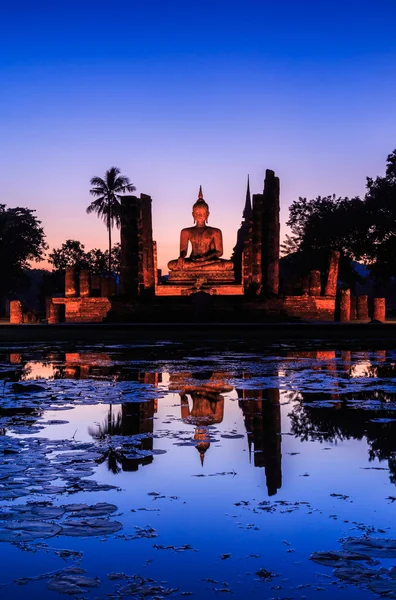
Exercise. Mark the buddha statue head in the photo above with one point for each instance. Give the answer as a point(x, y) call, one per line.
point(200, 210)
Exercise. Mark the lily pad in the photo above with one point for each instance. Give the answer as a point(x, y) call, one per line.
point(90, 527)
point(26, 531)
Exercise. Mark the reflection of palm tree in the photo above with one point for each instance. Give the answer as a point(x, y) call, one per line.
point(107, 204)
point(110, 426)
point(113, 458)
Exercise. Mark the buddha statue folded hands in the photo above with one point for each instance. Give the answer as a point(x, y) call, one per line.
point(206, 245)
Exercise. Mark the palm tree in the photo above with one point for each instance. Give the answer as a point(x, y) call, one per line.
point(107, 204)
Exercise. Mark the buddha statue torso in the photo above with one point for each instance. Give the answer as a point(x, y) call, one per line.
point(206, 244)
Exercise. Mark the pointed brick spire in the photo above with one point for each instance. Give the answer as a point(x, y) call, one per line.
point(247, 211)
point(200, 194)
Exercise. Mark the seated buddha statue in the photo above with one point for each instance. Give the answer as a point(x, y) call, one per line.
point(206, 244)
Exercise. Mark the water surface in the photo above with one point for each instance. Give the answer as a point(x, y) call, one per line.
point(160, 474)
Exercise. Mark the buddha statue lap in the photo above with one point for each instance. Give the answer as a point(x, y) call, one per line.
point(206, 250)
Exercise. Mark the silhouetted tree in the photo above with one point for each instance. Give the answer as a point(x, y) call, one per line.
point(22, 240)
point(323, 224)
point(363, 230)
point(380, 202)
point(72, 254)
point(108, 194)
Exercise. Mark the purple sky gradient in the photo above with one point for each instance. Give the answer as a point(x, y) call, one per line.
point(178, 94)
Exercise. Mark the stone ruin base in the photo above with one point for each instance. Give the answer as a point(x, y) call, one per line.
point(187, 289)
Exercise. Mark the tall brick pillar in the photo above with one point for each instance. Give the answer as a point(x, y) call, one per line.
point(362, 308)
point(130, 218)
point(70, 283)
point(247, 259)
point(16, 316)
point(345, 305)
point(257, 242)
point(332, 274)
point(155, 260)
point(137, 257)
point(270, 235)
point(379, 309)
point(146, 235)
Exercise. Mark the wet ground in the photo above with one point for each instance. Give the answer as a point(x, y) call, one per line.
point(150, 471)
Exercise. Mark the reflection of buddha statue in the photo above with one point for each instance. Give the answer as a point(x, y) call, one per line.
point(206, 244)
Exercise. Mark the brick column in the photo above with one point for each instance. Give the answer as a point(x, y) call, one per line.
point(70, 282)
point(362, 308)
point(257, 243)
point(315, 286)
point(54, 314)
point(95, 285)
point(146, 235)
point(345, 306)
point(332, 275)
point(270, 235)
point(16, 316)
point(130, 225)
point(379, 309)
point(305, 285)
point(105, 290)
point(353, 308)
point(85, 287)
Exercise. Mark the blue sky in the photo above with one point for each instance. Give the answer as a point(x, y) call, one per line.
point(179, 94)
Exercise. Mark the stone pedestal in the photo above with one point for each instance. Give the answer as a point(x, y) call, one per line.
point(379, 309)
point(345, 306)
point(189, 277)
point(16, 316)
point(362, 308)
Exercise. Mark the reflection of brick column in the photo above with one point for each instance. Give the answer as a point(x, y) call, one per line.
point(16, 316)
point(270, 235)
point(332, 275)
point(315, 286)
point(263, 424)
point(379, 309)
point(70, 282)
point(362, 308)
point(345, 305)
